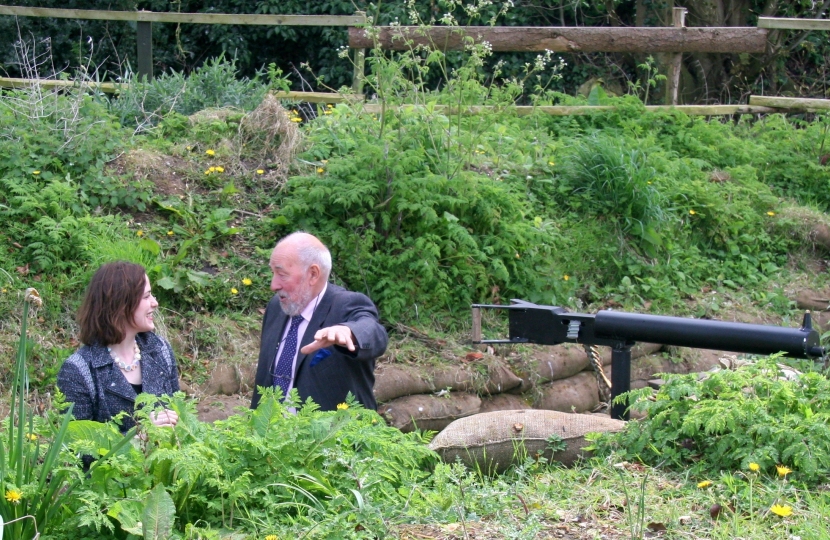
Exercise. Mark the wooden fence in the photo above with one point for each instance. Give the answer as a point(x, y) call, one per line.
point(675, 39)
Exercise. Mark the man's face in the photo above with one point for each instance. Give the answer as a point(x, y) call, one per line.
point(291, 282)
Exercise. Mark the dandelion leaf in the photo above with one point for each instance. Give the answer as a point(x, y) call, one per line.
point(158, 515)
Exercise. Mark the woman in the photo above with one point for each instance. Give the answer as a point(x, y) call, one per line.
point(121, 356)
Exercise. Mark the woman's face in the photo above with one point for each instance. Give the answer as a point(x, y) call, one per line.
point(143, 315)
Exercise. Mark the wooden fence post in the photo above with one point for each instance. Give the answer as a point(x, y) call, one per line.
point(678, 17)
point(359, 64)
point(144, 40)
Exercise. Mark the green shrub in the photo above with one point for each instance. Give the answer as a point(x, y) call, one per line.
point(410, 222)
point(728, 419)
point(259, 473)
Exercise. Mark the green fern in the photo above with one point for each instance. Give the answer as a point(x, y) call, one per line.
point(731, 418)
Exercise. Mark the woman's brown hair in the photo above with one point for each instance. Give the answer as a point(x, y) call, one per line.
point(110, 301)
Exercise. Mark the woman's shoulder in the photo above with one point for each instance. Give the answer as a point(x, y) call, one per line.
point(151, 340)
point(152, 343)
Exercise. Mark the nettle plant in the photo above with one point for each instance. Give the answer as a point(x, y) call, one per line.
point(755, 414)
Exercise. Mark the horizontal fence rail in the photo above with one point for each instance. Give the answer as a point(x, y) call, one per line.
point(569, 39)
point(757, 104)
point(783, 23)
point(186, 18)
point(581, 110)
point(114, 88)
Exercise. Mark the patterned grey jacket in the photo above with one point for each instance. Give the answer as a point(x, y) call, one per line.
point(91, 380)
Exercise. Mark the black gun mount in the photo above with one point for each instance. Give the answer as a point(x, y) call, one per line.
point(552, 325)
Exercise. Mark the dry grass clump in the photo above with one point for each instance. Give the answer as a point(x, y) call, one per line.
point(269, 139)
point(810, 226)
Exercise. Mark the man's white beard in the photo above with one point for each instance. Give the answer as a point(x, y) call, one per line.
point(292, 308)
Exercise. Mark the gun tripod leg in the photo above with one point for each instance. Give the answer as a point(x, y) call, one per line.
point(620, 378)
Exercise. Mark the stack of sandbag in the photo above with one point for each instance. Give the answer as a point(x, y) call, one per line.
point(430, 397)
point(557, 378)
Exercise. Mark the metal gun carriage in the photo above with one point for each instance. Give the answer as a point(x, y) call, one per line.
point(552, 325)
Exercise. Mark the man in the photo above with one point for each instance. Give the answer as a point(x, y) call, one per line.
point(317, 337)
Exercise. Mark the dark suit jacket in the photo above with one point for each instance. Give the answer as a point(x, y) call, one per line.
point(91, 380)
point(330, 377)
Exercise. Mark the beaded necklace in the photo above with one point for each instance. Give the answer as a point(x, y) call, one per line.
point(124, 366)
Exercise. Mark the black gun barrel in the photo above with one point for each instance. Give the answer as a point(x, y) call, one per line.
point(705, 334)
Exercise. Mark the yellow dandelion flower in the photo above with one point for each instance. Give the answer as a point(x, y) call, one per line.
point(320, 170)
point(170, 233)
point(14, 496)
point(220, 169)
point(783, 470)
point(566, 277)
point(374, 421)
point(4, 290)
point(296, 119)
point(329, 106)
point(692, 212)
point(234, 291)
point(518, 256)
point(247, 282)
point(31, 437)
point(782, 510)
point(208, 171)
point(342, 406)
point(260, 171)
point(327, 111)
point(551, 163)
point(139, 233)
point(271, 537)
point(754, 467)
point(210, 152)
point(35, 173)
point(770, 214)
point(212, 169)
point(705, 484)
point(188, 148)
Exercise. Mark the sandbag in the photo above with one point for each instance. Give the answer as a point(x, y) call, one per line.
point(646, 368)
point(398, 380)
point(500, 378)
point(638, 350)
point(503, 402)
point(559, 362)
point(428, 412)
point(566, 360)
point(491, 442)
point(575, 394)
point(224, 380)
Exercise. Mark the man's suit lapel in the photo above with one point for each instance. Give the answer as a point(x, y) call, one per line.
point(318, 321)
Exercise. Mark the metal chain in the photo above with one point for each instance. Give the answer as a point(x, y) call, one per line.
point(603, 383)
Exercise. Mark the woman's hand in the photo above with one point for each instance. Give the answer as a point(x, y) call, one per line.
point(164, 418)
